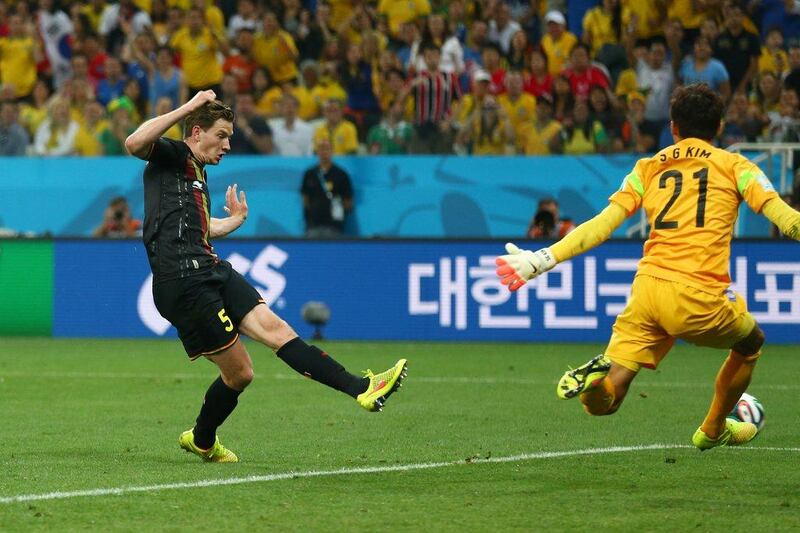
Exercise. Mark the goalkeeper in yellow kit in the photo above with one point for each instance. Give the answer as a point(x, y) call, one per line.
point(691, 193)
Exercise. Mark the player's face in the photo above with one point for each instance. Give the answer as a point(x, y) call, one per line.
point(213, 143)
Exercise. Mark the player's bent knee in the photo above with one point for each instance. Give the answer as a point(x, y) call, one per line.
point(750, 345)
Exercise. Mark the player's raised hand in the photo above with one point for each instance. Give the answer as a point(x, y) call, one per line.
point(235, 206)
point(518, 266)
point(200, 99)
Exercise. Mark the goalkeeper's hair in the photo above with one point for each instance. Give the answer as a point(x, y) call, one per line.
point(696, 111)
point(206, 115)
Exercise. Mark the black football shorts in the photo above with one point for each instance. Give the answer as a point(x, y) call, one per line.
point(206, 308)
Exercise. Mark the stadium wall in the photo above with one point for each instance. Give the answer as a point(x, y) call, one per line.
point(436, 197)
point(403, 290)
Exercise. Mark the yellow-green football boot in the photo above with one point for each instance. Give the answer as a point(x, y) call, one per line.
point(216, 454)
point(577, 380)
point(736, 433)
point(382, 385)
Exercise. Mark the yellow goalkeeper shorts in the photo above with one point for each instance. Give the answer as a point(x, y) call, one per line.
point(660, 311)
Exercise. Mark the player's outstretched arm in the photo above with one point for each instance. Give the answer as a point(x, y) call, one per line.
point(518, 266)
point(236, 207)
point(140, 141)
point(782, 215)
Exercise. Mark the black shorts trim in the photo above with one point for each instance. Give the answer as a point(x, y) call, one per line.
point(216, 351)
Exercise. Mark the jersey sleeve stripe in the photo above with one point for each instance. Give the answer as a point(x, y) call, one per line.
point(635, 182)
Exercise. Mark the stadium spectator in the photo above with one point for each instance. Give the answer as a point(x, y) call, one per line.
point(538, 137)
point(291, 135)
point(784, 125)
point(313, 32)
point(538, 81)
point(133, 93)
point(93, 11)
point(13, 137)
point(435, 93)
point(492, 61)
point(547, 222)
point(643, 20)
point(452, 51)
point(767, 94)
point(240, 63)
point(87, 141)
point(700, 67)
point(56, 135)
point(602, 32)
point(582, 74)
point(457, 19)
point(340, 133)
point(409, 51)
point(118, 223)
point(164, 105)
point(613, 120)
point(502, 27)
point(488, 130)
point(581, 133)
point(159, 16)
point(327, 195)
point(119, 19)
point(519, 106)
point(33, 114)
point(396, 13)
point(792, 79)
point(563, 99)
point(773, 57)
point(393, 135)
point(166, 80)
point(197, 46)
point(229, 88)
point(469, 103)
point(19, 54)
point(477, 38)
point(275, 49)
point(519, 55)
point(121, 125)
point(737, 49)
point(690, 13)
point(213, 17)
point(96, 57)
point(356, 76)
point(635, 130)
point(139, 55)
point(558, 42)
point(393, 90)
point(251, 135)
point(80, 69)
point(657, 77)
point(112, 86)
point(246, 17)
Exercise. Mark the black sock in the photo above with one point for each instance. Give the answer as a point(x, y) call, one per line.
point(319, 366)
point(220, 401)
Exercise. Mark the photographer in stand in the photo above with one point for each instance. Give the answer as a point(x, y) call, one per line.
point(118, 222)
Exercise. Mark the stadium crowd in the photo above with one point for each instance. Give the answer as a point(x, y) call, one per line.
point(395, 77)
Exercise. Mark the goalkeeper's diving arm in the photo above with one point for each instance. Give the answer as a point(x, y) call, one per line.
point(519, 266)
point(782, 215)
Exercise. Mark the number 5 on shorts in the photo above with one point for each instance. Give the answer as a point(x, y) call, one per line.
point(225, 320)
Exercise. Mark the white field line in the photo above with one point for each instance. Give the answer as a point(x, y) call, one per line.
point(117, 491)
point(455, 380)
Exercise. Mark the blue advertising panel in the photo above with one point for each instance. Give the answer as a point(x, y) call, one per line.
point(395, 196)
point(408, 290)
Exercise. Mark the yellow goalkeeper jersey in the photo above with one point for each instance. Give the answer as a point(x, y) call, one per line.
point(691, 193)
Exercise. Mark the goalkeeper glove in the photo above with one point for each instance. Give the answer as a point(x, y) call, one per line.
point(519, 266)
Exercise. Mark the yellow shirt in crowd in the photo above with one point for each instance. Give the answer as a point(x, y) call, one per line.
point(399, 11)
point(343, 138)
point(535, 141)
point(17, 65)
point(521, 112)
point(597, 23)
point(198, 57)
point(557, 52)
point(691, 193)
point(277, 54)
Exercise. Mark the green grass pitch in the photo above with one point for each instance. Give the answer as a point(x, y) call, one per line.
point(84, 415)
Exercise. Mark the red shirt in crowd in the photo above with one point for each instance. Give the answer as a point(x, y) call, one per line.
point(536, 87)
point(582, 82)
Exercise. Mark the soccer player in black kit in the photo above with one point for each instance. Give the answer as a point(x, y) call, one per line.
point(207, 301)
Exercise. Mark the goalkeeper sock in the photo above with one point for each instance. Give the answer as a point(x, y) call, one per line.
point(598, 400)
point(732, 380)
point(319, 366)
point(220, 401)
